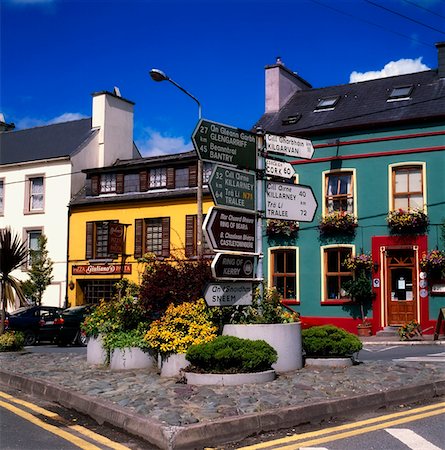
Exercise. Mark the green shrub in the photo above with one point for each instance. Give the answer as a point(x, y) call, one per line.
point(11, 341)
point(125, 338)
point(328, 340)
point(229, 354)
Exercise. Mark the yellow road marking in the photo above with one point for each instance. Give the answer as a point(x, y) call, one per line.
point(78, 428)
point(324, 432)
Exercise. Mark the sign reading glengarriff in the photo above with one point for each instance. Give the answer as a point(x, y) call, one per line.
point(290, 202)
point(217, 143)
point(280, 169)
point(233, 188)
point(228, 294)
point(227, 266)
point(230, 231)
point(289, 146)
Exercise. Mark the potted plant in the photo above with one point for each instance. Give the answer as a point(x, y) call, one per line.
point(282, 228)
point(180, 327)
point(433, 263)
point(410, 331)
point(338, 222)
point(412, 221)
point(12, 341)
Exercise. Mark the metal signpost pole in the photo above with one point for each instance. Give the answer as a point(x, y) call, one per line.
point(260, 207)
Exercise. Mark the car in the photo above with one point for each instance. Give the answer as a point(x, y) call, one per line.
point(37, 323)
point(70, 322)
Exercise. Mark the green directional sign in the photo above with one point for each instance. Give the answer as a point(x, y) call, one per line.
point(217, 143)
point(233, 188)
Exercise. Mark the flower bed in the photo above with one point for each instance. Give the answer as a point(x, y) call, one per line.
point(413, 221)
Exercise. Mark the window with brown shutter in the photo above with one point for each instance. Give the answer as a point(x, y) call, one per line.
point(95, 185)
point(152, 236)
point(89, 240)
point(143, 181)
point(166, 237)
point(138, 228)
point(193, 175)
point(191, 238)
point(119, 183)
point(170, 178)
point(97, 240)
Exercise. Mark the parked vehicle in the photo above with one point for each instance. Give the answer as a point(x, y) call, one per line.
point(70, 321)
point(37, 323)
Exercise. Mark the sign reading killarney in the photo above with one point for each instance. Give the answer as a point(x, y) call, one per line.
point(289, 146)
point(217, 143)
point(228, 294)
point(279, 169)
point(233, 188)
point(290, 202)
point(227, 266)
point(230, 231)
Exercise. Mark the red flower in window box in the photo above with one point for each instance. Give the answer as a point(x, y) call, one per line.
point(412, 221)
point(283, 228)
point(338, 222)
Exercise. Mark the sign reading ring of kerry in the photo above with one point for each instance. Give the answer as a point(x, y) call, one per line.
point(230, 231)
point(227, 266)
point(217, 143)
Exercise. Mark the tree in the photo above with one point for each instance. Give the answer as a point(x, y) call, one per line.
point(13, 253)
point(40, 273)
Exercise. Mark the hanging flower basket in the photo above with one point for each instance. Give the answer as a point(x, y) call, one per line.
point(282, 228)
point(433, 263)
point(338, 222)
point(401, 221)
point(362, 262)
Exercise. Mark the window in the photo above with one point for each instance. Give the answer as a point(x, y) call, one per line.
point(182, 177)
point(407, 187)
point(400, 93)
point(327, 103)
point(152, 235)
point(2, 197)
point(191, 237)
point(158, 178)
point(339, 192)
point(107, 183)
point(284, 273)
point(96, 290)
point(35, 194)
point(97, 240)
point(131, 182)
point(32, 241)
point(335, 273)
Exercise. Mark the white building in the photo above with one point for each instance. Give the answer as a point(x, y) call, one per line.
point(41, 169)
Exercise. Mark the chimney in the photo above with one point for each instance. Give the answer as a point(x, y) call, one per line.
point(113, 116)
point(281, 84)
point(5, 126)
point(441, 59)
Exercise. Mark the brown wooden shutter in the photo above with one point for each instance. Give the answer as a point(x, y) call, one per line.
point(193, 175)
point(190, 241)
point(119, 183)
point(95, 185)
point(166, 237)
point(138, 237)
point(89, 251)
point(143, 181)
point(170, 178)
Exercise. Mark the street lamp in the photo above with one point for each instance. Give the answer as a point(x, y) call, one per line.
point(159, 75)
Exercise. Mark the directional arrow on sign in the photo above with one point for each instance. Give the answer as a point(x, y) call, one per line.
point(289, 146)
point(217, 143)
point(233, 188)
point(290, 202)
point(228, 294)
point(227, 266)
point(280, 169)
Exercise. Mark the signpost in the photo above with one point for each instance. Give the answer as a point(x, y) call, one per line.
point(289, 146)
point(228, 294)
point(233, 188)
point(280, 169)
point(230, 231)
point(217, 143)
point(290, 202)
point(234, 267)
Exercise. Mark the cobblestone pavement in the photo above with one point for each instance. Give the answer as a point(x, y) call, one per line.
point(171, 401)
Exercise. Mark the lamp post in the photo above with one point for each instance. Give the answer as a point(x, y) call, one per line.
point(159, 75)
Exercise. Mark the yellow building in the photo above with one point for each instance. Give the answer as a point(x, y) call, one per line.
point(126, 210)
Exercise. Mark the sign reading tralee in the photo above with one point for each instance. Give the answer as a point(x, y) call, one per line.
point(233, 188)
point(290, 202)
point(228, 294)
point(289, 146)
point(215, 143)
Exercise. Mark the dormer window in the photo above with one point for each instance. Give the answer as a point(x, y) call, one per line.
point(327, 103)
point(107, 183)
point(290, 120)
point(401, 93)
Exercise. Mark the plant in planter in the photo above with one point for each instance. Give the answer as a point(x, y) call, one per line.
point(433, 263)
point(410, 330)
point(412, 221)
point(337, 222)
point(12, 341)
point(359, 263)
point(282, 228)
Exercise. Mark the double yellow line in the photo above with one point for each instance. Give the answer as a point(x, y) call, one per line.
point(349, 430)
point(64, 430)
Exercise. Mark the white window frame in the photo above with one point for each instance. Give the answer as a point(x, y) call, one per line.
point(324, 175)
point(28, 194)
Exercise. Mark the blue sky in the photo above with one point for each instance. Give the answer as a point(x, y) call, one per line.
point(55, 53)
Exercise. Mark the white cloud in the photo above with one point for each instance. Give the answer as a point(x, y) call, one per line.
point(30, 122)
point(156, 144)
point(393, 68)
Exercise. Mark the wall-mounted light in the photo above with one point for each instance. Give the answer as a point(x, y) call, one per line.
point(71, 285)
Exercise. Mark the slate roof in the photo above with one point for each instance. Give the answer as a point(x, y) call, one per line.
point(361, 105)
point(51, 141)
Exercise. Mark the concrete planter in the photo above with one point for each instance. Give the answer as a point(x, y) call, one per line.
point(285, 338)
point(96, 353)
point(130, 358)
point(172, 365)
point(328, 362)
point(229, 379)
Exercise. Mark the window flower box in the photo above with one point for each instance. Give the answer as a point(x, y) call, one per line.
point(433, 263)
point(282, 228)
point(413, 221)
point(338, 222)
point(359, 263)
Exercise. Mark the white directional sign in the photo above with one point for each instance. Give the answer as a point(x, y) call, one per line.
point(228, 294)
point(289, 146)
point(290, 202)
point(279, 169)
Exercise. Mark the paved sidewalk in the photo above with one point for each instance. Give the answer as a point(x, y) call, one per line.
point(173, 415)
